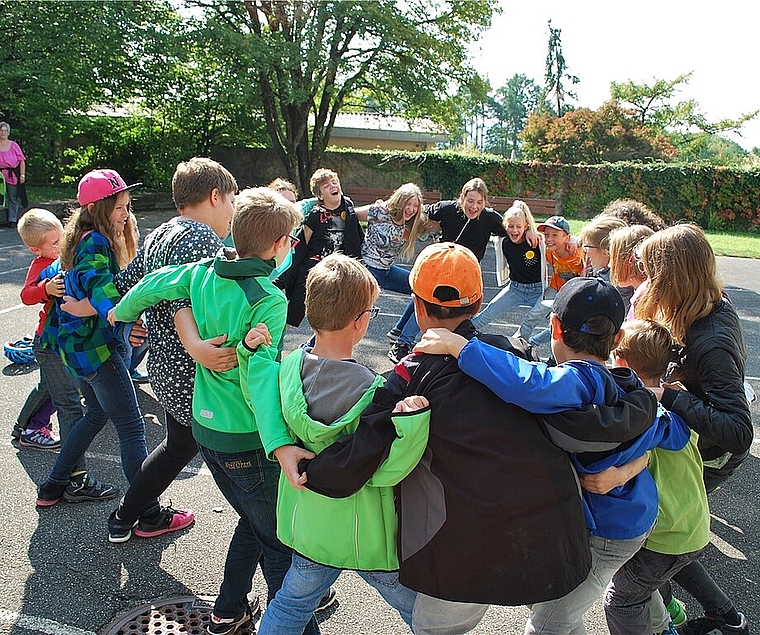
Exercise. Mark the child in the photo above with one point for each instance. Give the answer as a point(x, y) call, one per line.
point(330, 226)
point(566, 262)
point(393, 227)
point(323, 391)
point(625, 272)
point(204, 193)
point(42, 232)
point(232, 407)
point(595, 241)
point(585, 324)
point(527, 269)
point(683, 522)
point(97, 243)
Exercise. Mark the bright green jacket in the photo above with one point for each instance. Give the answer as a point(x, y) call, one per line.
point(360, 531)
point(231, 408)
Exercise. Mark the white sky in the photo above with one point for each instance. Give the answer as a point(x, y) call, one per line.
point(638, 41)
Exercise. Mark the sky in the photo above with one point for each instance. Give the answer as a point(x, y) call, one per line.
point(637, 41)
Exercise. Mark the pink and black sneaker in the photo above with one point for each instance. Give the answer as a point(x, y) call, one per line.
point(165, 520)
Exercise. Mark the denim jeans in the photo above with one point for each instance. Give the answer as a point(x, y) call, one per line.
point(248, 480)
point(565, 615)
point(397, 279)
point(158, 471)
point(628, 596)
point(12, 201)
point(305, 584)
point(108, 393)
point(537, 317)
point(515, 294)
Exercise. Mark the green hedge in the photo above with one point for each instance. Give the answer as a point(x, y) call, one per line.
point(717, 198)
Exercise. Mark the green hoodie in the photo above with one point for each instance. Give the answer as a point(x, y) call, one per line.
point(359, 531)
point(232, 408)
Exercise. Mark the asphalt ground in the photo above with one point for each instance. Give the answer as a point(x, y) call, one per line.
point(59, 575)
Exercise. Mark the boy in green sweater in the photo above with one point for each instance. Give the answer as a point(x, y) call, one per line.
point(232, 408)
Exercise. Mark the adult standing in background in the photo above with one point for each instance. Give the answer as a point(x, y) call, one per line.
point(13, 167)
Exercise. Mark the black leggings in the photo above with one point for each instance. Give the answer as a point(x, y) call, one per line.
point(158, 470)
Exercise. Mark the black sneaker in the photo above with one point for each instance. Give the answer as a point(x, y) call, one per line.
point(82, 488)
point(328, 599)
point(714, 626)
point(393, 334)
point(17, 430)
point(398, 351)
point(227, 625)
point(49, 494)
point(119, 530)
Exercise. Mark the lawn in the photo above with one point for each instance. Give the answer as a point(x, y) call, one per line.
point(723, 243)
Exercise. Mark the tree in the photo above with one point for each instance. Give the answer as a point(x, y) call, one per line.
point(307, 59)
point(557, 74)
point(611, 133)
point(511, 105)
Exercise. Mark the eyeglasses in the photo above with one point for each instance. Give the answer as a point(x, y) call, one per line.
point(373, 313)
point(587, 247)
point(293, 241)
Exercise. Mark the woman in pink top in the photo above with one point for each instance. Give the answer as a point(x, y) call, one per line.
point(13, 168)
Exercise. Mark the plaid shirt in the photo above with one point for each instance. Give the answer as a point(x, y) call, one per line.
point(86, 343)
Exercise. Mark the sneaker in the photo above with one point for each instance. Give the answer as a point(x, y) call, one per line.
point(677, 612)
point(165, 520)
point(714, 626)
point(227, 625)
point(83, 487)
point(119, 530)
point(398, 351)
point(328, 599)
point(41, 438)
point(49, 494)
point(16, 431)
point(670, 630)
point(393, 334)
point(139, 377)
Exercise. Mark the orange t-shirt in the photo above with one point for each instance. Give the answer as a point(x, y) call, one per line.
point(564, 268)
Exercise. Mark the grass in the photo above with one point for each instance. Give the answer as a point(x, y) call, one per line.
point(723, 243)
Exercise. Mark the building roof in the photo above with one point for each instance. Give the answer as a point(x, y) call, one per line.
point(376, 126)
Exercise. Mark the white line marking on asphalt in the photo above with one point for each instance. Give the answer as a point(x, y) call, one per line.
point(13, 308)
point(39, 624)
point(5, 273)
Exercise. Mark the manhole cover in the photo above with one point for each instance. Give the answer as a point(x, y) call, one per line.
point(187, 615)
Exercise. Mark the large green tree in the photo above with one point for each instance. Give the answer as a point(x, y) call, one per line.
point(512, 104)
point(307, 59)
point(557, 75)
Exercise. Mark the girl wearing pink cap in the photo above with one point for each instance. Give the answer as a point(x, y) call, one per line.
point(98, 241)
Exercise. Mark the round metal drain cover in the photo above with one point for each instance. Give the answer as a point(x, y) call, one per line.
point(186, 615)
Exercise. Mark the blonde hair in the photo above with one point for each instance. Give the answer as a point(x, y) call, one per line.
point(261, 217)
point(623, 245)
point(415, 225)
point(597, 232)
point(97, 217)
point(195, 179)
point(474, 185)
point(338, 289)
point(35, 224)
point(683, 278)
point(520, 209)
point(322, 175)
point(646, 347)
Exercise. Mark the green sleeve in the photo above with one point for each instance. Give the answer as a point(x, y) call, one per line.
point(406, 451)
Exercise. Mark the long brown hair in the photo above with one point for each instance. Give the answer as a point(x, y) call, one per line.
point(683, 279)
point(97, 217)
point(415, 225)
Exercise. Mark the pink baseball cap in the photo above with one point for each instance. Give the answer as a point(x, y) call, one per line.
point(99, 184)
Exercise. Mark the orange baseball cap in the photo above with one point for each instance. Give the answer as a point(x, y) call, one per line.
point(447, 265)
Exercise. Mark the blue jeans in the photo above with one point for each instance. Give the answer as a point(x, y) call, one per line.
point(515, 294)
point(108, 393)
point(627, 598)
point(537, 317)
point(11, 197)
point(397, 279)
point(248, 480)
point(306, 582)
point(565, 615)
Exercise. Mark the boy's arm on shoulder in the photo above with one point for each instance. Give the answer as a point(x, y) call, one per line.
point(131, 274)
point(167, 283)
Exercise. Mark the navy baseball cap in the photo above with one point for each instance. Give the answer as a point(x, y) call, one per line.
point(580, 299)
